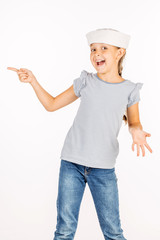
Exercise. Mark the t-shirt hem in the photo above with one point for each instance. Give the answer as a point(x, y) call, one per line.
point(84, 163)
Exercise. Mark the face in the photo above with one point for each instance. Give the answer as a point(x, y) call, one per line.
point(108, 53)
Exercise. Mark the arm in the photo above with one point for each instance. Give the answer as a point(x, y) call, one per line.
point(133, 118)
point(136, 129)
point(49, 102)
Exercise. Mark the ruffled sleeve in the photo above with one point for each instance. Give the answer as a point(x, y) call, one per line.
point(134, 95)
point(80, 83)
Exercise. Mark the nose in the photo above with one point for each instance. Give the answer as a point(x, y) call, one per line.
point(98, 53)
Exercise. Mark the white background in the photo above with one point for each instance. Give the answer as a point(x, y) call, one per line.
point(48, 37)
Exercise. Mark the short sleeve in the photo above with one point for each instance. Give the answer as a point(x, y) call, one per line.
point(79, 83)
point(134, 96)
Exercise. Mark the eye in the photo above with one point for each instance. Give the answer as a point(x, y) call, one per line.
point(94, 49)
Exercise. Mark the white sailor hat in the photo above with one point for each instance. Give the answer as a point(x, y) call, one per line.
point(108, 36)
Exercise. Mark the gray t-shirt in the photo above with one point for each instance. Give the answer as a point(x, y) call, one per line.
point(92, 139)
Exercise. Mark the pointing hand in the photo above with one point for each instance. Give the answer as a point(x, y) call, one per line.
point(24, 74)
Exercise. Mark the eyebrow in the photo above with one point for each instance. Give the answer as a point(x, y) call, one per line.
point(93, 43)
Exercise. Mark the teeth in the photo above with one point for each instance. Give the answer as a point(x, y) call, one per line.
point(99, 60)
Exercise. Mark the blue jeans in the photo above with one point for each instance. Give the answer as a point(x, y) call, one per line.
point(103, 186)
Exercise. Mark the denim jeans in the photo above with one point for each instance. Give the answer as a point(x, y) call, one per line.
point(103, 186)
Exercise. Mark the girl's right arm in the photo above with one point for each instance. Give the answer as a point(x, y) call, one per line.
point(49, 102)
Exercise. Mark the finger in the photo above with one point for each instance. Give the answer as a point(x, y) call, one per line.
point(133, 146)
point(138, 150)
point(13, 69)
point(20, 72)
point(23, 74)
point(24, 70)
point(143, 150)
point(148, 147)
point(22, 79)
point(148, 134)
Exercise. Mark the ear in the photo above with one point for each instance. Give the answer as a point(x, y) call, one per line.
point(121, 52)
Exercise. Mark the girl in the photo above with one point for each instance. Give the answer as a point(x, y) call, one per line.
point(91, 147)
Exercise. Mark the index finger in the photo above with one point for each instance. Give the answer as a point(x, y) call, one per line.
point(13, 69)
point(148, 147)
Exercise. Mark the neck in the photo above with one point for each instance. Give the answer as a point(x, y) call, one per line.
point(110, 77)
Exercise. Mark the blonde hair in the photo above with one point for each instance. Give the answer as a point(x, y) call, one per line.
point(120, 68)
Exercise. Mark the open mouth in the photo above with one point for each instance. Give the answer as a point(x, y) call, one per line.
point(100, 63)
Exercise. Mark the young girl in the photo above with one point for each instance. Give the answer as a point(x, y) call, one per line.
point(91, 147)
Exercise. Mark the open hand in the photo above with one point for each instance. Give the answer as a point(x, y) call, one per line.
point(24, 74)
point(139, 138)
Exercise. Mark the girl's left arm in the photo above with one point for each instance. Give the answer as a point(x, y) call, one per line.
point(136, 130)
